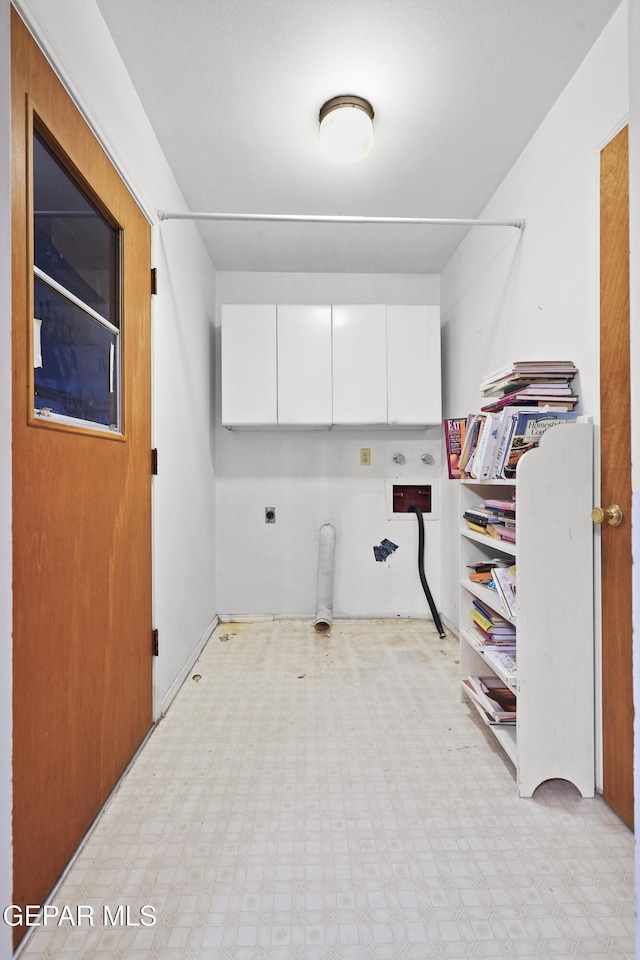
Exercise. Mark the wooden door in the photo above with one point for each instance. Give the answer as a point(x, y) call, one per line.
point(617, 691)
point(81, 523)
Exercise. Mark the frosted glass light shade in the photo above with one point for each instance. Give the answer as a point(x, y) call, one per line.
point(346, 128)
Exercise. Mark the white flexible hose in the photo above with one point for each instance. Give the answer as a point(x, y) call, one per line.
point(326, 567)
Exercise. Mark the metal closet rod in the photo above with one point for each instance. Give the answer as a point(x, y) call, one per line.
point(313, 218)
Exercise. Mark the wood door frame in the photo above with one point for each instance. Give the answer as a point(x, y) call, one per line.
point(115, 688)
point(615, 480)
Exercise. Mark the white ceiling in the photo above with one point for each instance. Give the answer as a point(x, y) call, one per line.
point(233, 89)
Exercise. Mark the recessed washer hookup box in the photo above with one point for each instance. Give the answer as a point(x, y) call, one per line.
point(400, 496)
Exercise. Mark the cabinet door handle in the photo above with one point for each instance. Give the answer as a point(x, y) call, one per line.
point(613, 515)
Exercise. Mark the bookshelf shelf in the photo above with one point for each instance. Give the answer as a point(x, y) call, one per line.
point(507, 738)
point(502, 546)
point(553, 737)
point(486, 483)
point(487, 596)
point(510, 681)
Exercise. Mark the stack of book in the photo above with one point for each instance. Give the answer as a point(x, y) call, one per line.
point(492, 635)
point(532, 383)
point(482, 570)
point(531, 396)
point(497, 701)
point(500, 656)
point(491, 629)
point(494, 442)
point(502, 524)
point(478, 520)
point(496, 519)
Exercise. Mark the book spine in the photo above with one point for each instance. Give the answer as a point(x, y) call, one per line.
point(484, 467)
point(477, 453)
point(476, 527)
point(503, 444)
point(481, 620)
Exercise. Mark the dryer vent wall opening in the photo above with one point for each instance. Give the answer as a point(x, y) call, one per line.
point(326, 570)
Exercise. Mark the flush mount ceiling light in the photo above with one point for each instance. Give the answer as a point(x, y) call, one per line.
point(346, 128)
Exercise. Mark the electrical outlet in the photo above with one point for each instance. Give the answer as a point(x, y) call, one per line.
point(365, 456)
point(269, 514)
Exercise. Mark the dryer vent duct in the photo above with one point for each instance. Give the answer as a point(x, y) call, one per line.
point(326, 568)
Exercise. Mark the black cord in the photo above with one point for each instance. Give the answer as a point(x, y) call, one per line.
point(423, 579)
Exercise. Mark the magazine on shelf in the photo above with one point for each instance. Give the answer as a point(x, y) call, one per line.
point(495, 699)
point(505, 431)
point(504, 661)
point(477, 430)
point(480, 466)
point(472, 431)
point(526, 400)
point(505, 581)
point(528, 428)
point(454, 432)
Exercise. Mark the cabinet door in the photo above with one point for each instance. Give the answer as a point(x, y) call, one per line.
point(304, 365)
point(359, 363)
point(413, 365)
point(248, 348)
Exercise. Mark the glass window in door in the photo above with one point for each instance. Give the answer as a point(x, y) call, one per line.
point(76, 332)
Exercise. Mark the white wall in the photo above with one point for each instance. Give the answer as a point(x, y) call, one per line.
point(509, 296)
point(6, 879)
point(183, 492)
point(315, 476)
point(183, 314)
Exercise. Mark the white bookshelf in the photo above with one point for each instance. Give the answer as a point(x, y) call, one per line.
point(553, 737)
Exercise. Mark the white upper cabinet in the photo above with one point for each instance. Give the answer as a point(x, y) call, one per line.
point(359, 364)
point(304, 365)
point(249, 384)
point(318, 365)
point(413, 365)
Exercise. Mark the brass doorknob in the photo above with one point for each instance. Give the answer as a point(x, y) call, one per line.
point(613, 515)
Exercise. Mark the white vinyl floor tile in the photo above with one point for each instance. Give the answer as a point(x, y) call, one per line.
point(328, 797)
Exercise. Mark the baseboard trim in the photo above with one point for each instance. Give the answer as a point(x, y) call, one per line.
point(268, 617)
point(167, 699)
point(250, 617)
point(450, 626)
